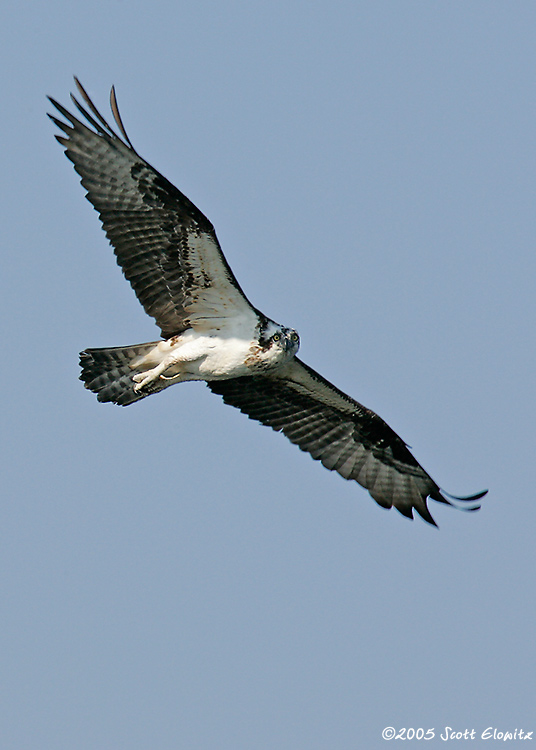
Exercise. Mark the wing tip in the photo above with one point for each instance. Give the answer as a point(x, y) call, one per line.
point(441, 496)
point(467, 498)
point(92, 115)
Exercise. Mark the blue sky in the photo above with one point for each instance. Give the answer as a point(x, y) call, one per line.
point(174, 575)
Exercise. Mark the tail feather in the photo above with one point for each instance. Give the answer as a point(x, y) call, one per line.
point(108, 373)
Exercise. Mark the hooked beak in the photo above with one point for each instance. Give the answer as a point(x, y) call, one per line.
point(290, 345)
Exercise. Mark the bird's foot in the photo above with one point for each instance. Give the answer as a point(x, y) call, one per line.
point(143, 379)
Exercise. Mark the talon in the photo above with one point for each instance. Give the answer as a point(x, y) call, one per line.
point(149, 376)
point(144, 378)
point(170, 377)
point(141, 382)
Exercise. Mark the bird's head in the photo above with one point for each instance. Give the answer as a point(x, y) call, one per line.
point(278, 341)
point(287, 339)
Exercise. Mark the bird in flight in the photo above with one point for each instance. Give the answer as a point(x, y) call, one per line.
point(169, 252)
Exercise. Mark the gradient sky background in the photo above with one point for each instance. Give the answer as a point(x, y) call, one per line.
point(172, 574)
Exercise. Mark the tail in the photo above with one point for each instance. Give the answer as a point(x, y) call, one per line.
point(108, 373)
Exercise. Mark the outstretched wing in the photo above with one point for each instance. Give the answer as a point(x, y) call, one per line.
point(341, 433)
point(167, 248)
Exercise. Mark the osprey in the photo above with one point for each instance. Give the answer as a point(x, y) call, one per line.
point(169, 252)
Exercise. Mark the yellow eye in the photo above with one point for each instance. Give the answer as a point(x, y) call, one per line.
point(276, 336)
point(295, 337)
